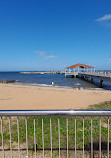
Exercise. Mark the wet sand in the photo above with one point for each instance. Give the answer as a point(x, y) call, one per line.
point(22, 97)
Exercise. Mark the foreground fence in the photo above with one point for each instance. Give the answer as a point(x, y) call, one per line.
point(57, 133)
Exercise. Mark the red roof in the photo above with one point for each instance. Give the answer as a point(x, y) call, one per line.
point(79, 65)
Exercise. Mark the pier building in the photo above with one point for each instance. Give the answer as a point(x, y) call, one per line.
point(86, 73)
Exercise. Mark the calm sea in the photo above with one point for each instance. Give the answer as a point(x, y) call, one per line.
point(47, 79)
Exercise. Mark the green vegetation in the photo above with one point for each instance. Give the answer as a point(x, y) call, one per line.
point(63, 131)
point(105, 105)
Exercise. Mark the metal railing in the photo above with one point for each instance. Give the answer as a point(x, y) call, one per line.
point(96, 73)
point(85, 115)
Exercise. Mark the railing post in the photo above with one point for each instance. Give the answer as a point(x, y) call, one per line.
point(34, 138)
point(2, 137)
point(91, 138)
point(51, 136)
point(83, 137)
point(18, 137)
point(67, 135)
point(26, 137)
point(100, 137)
point(10, 136)
point(108, 139)
point(59, 135)
point(75, 137)
point(43, 136)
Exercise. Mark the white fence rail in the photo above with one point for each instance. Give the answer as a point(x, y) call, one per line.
point(85, 115)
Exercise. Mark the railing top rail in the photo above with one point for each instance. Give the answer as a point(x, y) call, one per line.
point(55, 113)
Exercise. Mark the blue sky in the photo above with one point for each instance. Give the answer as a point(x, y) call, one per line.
point(53, 34)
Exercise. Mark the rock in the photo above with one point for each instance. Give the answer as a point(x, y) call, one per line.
point(7, 81)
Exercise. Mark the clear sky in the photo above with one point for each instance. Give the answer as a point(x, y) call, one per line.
point(53, 34)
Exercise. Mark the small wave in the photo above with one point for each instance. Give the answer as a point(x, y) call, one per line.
point(62, 86)
point(46, 85)
point(77, 84)
point(93, 88)
point(57, 86)
point(41, 85)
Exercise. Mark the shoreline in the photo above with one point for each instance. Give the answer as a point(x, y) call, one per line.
point(55, 86)
point(25, 97)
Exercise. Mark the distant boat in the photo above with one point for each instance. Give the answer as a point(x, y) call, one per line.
point(42, 73)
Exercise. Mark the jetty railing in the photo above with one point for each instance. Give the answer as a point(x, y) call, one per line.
point(96, 73)
point(85, 115)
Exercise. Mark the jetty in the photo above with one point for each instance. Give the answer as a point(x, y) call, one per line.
point(42, 72)
point(87, 73)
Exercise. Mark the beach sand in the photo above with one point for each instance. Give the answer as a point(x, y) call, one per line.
point(22, 97)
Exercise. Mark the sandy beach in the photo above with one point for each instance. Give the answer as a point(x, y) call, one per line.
point(14, 97)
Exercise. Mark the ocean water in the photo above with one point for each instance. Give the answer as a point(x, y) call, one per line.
point(47, 79)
